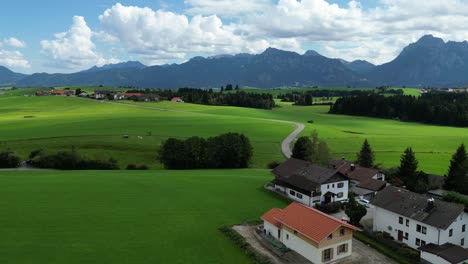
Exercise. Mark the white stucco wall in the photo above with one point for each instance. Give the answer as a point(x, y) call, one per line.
point(383, 219)
point(305, 197)
point(300, 246)
point(270, 229)
point(457, 234)
point(333, 187)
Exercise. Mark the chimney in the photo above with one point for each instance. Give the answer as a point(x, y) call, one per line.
point(353, 167)
point(430, 204)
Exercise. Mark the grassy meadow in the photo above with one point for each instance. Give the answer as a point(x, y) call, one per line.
point(96, 129)
point(433, 145)
point(129, 217)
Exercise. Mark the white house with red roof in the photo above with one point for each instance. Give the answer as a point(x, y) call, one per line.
point(318, 237)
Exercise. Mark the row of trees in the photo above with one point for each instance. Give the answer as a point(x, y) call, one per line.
point(231, 150)
point(69, 160)
point(434, 107)
point(208, 97)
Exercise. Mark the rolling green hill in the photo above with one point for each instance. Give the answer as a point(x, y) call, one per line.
point(96, 128)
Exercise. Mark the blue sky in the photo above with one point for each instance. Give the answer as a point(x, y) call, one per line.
point(163, 31)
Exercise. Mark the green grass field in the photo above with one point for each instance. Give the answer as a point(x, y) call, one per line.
point(96, 129)
point(127, 217)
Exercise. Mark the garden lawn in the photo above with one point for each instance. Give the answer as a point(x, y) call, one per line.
point(127, 217)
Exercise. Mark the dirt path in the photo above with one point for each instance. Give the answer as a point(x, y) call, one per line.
point(285, 144)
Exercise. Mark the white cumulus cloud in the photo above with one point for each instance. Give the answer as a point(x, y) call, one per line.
point(73, 49)
point(160, 35)
point(13, 42)
point(13, 59)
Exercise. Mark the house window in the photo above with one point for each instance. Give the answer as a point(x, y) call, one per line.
point(291, 192)
point(330, 236)
point(462, 242)
point(342, 248)
point(407, 222)
point(287, 236)
point(339, 195)
point(342, 232)
point(463, 228)
point(340, 185)
point(406, 236)
point(299, 195)
point(450, 232)
point(421, 229)
point(327, 254)
point(418, 242)
point(333, 185)
point(423, 242)
point(328, 186)
point(400, 220)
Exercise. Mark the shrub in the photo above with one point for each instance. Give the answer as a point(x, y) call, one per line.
point(71, 160)
point(131, 167)
point(329, 208)
point(8, 159)
point(137, 167)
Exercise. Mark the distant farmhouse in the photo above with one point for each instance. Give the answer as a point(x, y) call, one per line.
point(310, 183)
point(365, 182)
point(315, 235)
point(417, 220)
point(177, 100)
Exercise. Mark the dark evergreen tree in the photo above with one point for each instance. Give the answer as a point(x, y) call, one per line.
point(303, 149)
point(229, 87)
point(456, 178)
point(78, 91)
point(237, 87)
point(308, 99)
point(408, 165)
point(366, 156)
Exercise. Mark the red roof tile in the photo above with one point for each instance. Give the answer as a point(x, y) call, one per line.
point(271, 215)
point(308, 221)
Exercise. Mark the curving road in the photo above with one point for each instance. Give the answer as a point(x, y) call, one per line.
point(285, 144)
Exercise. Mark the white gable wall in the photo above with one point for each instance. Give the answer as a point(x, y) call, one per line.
point(333, 187)
point(386, 221)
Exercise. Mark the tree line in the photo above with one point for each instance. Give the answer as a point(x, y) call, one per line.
point(69, 160)
point(231, 150)
point(439, 108)
point(209, 97)
point(320, 96)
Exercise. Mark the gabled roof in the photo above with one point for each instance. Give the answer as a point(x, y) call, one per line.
point(289, 167)
point(415, 206)
point(372, 184)
point(310, 222)
point(305, 176)
point(450, 252)
point(358, 173)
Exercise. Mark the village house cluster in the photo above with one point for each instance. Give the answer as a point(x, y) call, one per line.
point(435, 228)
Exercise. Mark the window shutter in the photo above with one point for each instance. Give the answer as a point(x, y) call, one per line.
point(331, 254)
point(323, 255)
point(346, 248)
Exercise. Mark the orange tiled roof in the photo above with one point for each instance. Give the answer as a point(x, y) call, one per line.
point(308, 221)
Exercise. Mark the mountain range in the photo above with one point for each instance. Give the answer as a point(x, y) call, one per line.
point(428, 62)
